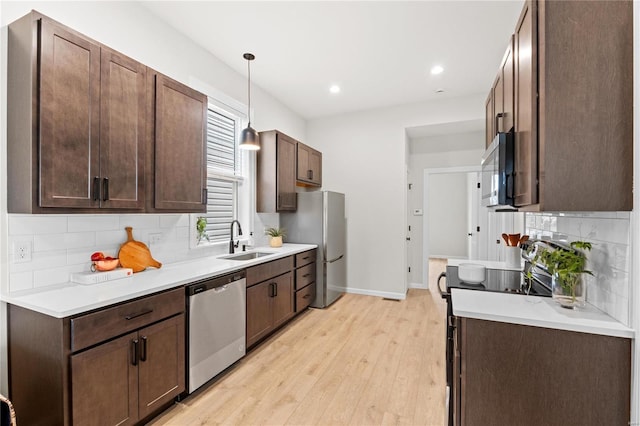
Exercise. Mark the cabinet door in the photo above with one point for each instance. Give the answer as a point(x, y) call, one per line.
point(507, 87)
point(104, 384)
point(286, 174)
point(258, 311)
point(488, 115)
point(526, 101)
point(161, 367)
point(498, 104)
point(69, 118)
point(122, 122)
point(180, 148)
point(303, 167)
point(282, 299)
point(315, 164)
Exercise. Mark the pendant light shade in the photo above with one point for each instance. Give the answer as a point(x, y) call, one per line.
point(249, 140)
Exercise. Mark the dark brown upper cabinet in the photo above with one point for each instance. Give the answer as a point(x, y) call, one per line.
point(309, 166)
point(499, 106)
point(276, 173)
point(573, 106)
point(177, 179)
point(76, 123)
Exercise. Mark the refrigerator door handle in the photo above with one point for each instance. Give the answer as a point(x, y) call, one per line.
point(334, 260)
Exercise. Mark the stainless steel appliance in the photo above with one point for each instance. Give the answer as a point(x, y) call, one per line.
point(216, 326)
point(497, 280)
point(320, 219)
point(497, 172)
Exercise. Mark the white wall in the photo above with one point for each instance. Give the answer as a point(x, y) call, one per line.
point(129, 29)
point(447, 213)
point(364, 157)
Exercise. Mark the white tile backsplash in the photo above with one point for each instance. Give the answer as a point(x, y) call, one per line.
point(63, 244)
point(609, 287)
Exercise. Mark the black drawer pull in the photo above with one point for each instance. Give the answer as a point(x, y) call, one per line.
point(143, 350)
point(306, 296)
point(96, 188)
point(134, 352)
point(139, 314)
point(105, 189)
point(305, 258)
point(306, 275)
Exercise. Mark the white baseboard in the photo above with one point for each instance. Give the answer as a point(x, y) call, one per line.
point(418, 285)
point(385, 294)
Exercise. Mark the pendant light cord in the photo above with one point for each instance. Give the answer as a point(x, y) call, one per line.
point(249, 90)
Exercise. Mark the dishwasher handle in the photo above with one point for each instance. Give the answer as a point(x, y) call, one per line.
point(214, 283)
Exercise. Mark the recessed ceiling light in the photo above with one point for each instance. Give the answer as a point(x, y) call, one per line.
point(437, 69)
point(334, 89)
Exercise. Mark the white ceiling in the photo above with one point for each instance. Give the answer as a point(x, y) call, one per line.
point(379, 52)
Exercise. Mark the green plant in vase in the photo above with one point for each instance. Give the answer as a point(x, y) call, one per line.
point(566, 266)
point(201, 229)
point(275, 236)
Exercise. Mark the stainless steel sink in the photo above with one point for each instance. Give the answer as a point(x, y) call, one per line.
point(246, 255)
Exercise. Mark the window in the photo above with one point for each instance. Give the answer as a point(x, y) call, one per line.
point(224, 172)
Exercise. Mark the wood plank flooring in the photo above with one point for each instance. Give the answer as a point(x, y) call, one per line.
point(363, 361)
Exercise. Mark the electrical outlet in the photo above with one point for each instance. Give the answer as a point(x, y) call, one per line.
point(22, 251)
point(155, 239)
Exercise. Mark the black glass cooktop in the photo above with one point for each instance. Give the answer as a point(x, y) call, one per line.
point(497, 280)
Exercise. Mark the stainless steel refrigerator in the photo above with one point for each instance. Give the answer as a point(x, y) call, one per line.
point(320, 219)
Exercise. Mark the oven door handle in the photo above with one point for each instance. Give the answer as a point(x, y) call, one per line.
point(443, 294)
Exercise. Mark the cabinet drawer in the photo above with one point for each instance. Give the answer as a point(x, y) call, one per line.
point(305, 296)
point(96, 327)
point(305, 275)
point(305, 258)
point(259, 273)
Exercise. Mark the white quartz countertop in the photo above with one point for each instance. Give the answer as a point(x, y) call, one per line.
point(534, 311)
point(73, 299)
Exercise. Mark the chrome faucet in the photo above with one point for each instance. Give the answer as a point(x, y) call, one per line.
point(232, 245)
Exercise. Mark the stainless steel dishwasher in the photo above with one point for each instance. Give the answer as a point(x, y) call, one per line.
point(216, 326)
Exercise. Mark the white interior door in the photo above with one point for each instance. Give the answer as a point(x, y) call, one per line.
point(473, 206)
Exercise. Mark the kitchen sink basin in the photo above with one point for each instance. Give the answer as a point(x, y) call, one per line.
point(246, 256)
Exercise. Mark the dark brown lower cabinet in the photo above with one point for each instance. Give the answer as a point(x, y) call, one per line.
point(508, 374)
point(269, 305)
point(62, 374)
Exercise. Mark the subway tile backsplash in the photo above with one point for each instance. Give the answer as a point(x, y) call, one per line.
point(63, 244)
point(609, 287)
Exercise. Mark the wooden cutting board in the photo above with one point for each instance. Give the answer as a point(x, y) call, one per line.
point(135, 254)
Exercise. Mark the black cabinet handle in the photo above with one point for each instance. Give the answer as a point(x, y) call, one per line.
point(96, 188)
point(139, 314)
point(143, 350)
point(306, 296)
point(134, 352)
point(105, 189)
point(305, 258)
point(309, 174)
point(205, 196)
point(306, 275)
point(275, 289)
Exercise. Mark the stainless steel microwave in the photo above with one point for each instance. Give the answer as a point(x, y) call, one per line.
point(497, 186)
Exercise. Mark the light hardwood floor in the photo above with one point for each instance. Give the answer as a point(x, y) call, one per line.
point(362, 361)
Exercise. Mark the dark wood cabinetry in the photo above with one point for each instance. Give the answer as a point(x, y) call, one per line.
point(178, 141)
point(270, 302)
point(511, 374)
point(131, 367)
point(76, 135)
point(305, 284)
point(276, 170)
point(309, 166)
point(499, 107)
point(92, 130)
point(573, 99)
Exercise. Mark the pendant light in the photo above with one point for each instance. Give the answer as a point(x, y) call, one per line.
point(249, 139)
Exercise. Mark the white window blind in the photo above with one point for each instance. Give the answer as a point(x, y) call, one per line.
point(223, 173)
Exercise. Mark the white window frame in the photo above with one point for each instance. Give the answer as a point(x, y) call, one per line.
point(244, 205)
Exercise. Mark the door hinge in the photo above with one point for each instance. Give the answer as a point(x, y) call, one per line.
point(477, 229)
point(410, 185)
point(409, 227)
point(409, 268)
point(478, 185)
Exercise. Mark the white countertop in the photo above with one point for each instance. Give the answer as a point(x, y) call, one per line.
point(534, 311)
point(72, 299)
point(489, 264)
